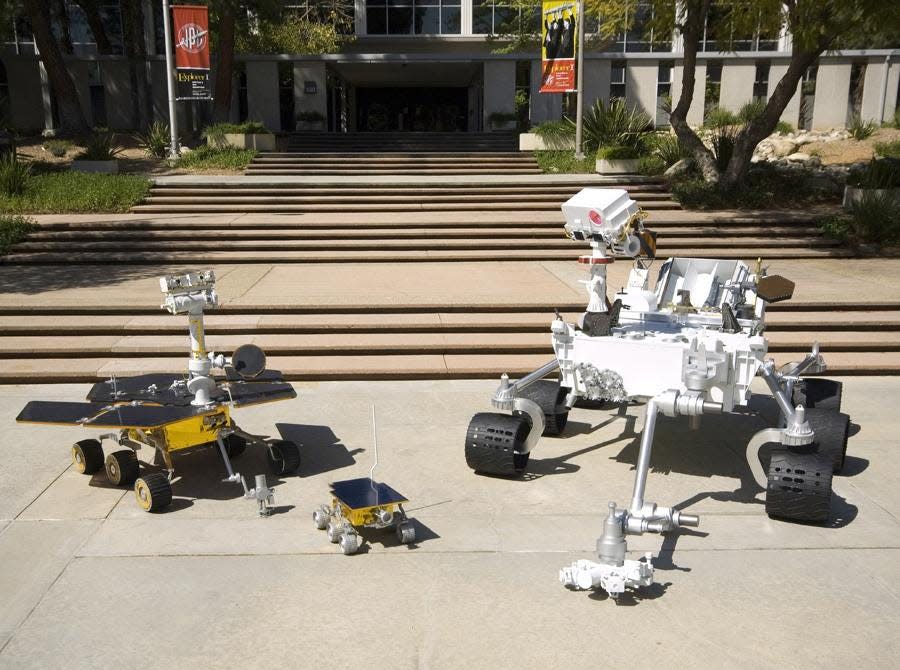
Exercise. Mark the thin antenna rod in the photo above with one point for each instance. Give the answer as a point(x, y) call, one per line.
point(374, 465)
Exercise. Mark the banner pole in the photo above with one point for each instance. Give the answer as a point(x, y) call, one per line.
point(170, 81)
point(579, 101)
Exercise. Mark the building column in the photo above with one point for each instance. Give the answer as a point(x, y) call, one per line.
point(791, 113)
point(313, 73)
point(737, 84)
point(596, 81)
point(262, 94)
point(640, 85)
point(832, 92)
point(499, 88)
point(695, 111)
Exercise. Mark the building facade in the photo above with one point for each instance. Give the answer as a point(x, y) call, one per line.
point(430, 65)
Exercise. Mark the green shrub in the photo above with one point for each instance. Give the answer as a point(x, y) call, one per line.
point(667, 148)
point(888, 149)
point(652, 165)
point(837, 226)
point(215, 133)
point(65, 192)
point(784, 127)
point(100, 146)
point(722, 141)
point(564, 162)
point(879, 173)
point(719, 117)
point(13, 229)
point(617, 153)
point(752, 110)
point(876, 218)
point(206, 157)
point(14, 175)
point(57, 148)
point(895, 122)
point(155, 142)
point(861, 130)
point(615, 124)
point(553, 130)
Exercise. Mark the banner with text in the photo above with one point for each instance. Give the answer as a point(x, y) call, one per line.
point(559, 22)
point(191, 31)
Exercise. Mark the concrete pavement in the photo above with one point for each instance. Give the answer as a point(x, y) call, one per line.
point(89, 579)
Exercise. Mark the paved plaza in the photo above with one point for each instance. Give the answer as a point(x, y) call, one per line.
point(90, 578)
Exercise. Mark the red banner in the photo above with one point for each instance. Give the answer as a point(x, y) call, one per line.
point(191, 31)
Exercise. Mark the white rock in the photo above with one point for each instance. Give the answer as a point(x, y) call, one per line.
point(783, 147)
point(798, 157)
point(679, 168)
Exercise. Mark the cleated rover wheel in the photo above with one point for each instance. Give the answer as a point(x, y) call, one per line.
point(406, 533)
point(551, 397)
point(321, 517)
point(122, 467)
point(153, 492)
point(234, 445)
point(349, 543)
point(818, 393)
point(831, 429)
point(335, 531)
point(283, 457)
point(799, 487)
point(492, 441)
point(87, 456)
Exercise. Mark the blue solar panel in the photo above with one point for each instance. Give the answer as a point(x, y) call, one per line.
point(364, 492)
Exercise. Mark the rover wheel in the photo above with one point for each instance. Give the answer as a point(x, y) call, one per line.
point(87, 456)
point(122, 467)
point(799, 487)
point(818, 393)
point(832, 429)
point(153, 492)
point(334, 530)
point(284, 457)
point(349, 543)
point(234, 445)
point(320, 518)
point(551, 397)
point(492, 441)
point(406, 533)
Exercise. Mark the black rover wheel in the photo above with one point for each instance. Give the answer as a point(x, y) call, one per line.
point(153, 492)
point(87, 456)
point(492, 441)
point(283, 457)
point(831, 429)
point(818, 393)
point(799, 487)
point(122, 467)
point(234, 445)
point(551, 397)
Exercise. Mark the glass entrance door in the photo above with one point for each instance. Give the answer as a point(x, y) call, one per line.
point(412, 109)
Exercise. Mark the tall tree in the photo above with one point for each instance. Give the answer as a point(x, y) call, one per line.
point(816, 26)
point(91, 9)
point(61, 18)
point(71, 116)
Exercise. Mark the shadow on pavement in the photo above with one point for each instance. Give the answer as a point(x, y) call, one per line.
point(320, 449)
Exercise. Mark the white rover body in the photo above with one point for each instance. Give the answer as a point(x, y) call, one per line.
point(689, 346)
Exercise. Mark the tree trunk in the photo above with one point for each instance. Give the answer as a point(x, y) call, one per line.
point(761, 127)
point(71, 116)
point(133, 29)
point(62, 17)
point(224, 69)
point(691, 31)
point(95, 22)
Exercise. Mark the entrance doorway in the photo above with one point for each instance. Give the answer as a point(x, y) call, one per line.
point(412, 109)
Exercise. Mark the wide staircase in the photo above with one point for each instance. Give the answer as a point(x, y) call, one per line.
point(445, 154)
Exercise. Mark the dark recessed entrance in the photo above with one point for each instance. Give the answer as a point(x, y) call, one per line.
point(412, 109)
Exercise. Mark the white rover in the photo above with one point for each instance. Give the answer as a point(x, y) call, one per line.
point(689, 347)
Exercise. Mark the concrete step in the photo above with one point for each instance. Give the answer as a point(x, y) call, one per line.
point(425, 242)
point(545, 231)
point(349, 190)
point(377, 366)
point(158, 207)
point(394, 155)
point(496, 199)
point(427, 254)
point(366, 344)
point(433, 171)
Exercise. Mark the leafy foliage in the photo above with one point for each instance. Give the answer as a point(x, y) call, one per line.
point(57, 148)
point(615, 125)
point(14, 229)
point(100, 146)
point(215, 134)
point(861, 130)
point(651, 165)
point(14, 175)
point(888, 149)
point(722, 141)
point(666, 148)
point(296, 33)
point(617, 153)
point(752, 110)
point(878, 174)
point(155, 142)
point(65, 192)
point(564, 162)
point(719, 117)
point(208, 158)
point(784, 127)
point(873, 218)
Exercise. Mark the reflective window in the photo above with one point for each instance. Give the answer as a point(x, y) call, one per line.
point(761, 81)
point(639, 37)
point(617, 80)
point(664, 92)
point(494, 17)
point(413, 17)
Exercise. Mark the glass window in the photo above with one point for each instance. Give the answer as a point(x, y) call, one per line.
point(97, 94)
point(4, 98)
point(808, 97)
point(855, 93)
point(638, 38)
point(493, 17)
point(407, 17)
point(286, 94)
point(713, 86)
point(761, 82)
point(664, 92)
point(617, 80)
